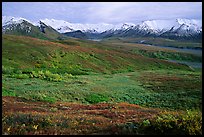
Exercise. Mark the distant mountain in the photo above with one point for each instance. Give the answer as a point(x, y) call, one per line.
point(76, 34)
point(49, 32)
point(64, 26)
point(189, 29)
point(21, 26)
point(174, 29)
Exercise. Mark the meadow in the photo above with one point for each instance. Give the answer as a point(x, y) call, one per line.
point(79, 87)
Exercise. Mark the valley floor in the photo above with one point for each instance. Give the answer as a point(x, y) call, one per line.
point(39, 118)
point(125, 103)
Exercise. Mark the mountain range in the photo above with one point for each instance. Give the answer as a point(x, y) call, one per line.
point(52, 29)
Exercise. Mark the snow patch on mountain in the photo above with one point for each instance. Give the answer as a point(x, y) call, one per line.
point(123, 26)
point(165, 25)
point(64, 26)
point(8, 20)
point(158, 25)
point(10, 23)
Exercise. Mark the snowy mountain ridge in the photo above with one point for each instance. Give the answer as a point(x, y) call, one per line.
point(63, 26)
point(158, 27)
point(155, 25)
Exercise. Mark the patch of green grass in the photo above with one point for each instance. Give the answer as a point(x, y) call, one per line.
point(7, 70)
point(6, 92)
point(96, 98)
point(123, 87)
point(176, 90)
point(20, 76)
point(42, 97)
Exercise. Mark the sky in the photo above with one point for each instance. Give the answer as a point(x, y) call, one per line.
point(103, 12)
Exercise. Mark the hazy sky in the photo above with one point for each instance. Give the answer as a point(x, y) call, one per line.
point(106, 12)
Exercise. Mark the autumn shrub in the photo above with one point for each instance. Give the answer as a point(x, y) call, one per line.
point(18, 124)
point(189, 123)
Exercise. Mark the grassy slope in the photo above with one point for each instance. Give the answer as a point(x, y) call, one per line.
point(25, 57)
point(146, 82)
point(61, 58)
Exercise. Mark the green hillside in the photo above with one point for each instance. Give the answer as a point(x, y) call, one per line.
point(26, 52)
point(30, 58)
point(75, 86)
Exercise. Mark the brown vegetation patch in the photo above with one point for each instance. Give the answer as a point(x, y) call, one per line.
point(71, 118)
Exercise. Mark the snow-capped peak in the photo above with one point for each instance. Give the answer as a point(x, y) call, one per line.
point(164, 25)
point(55, 23)
point(64, 26)
point(7, 20)
point(192, 25)
point(158, 25)
point(153, 26)
point(123, 26)
point(189, 22)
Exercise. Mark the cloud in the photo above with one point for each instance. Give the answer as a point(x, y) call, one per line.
point(138, 11)
point(107, 12)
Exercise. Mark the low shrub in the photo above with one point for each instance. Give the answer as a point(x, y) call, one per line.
point(44, 98)
point(20, 76)
point(21, 124)
point(189, 123)
point(27, 71)
point(96, 98)
point(17, 71)
point(183, 124)
point(7, 70)
point(47, 75)
point(67, 75)
point(52, 77)
point(49, 99)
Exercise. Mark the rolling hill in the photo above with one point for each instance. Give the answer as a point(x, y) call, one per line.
point(57, 57)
